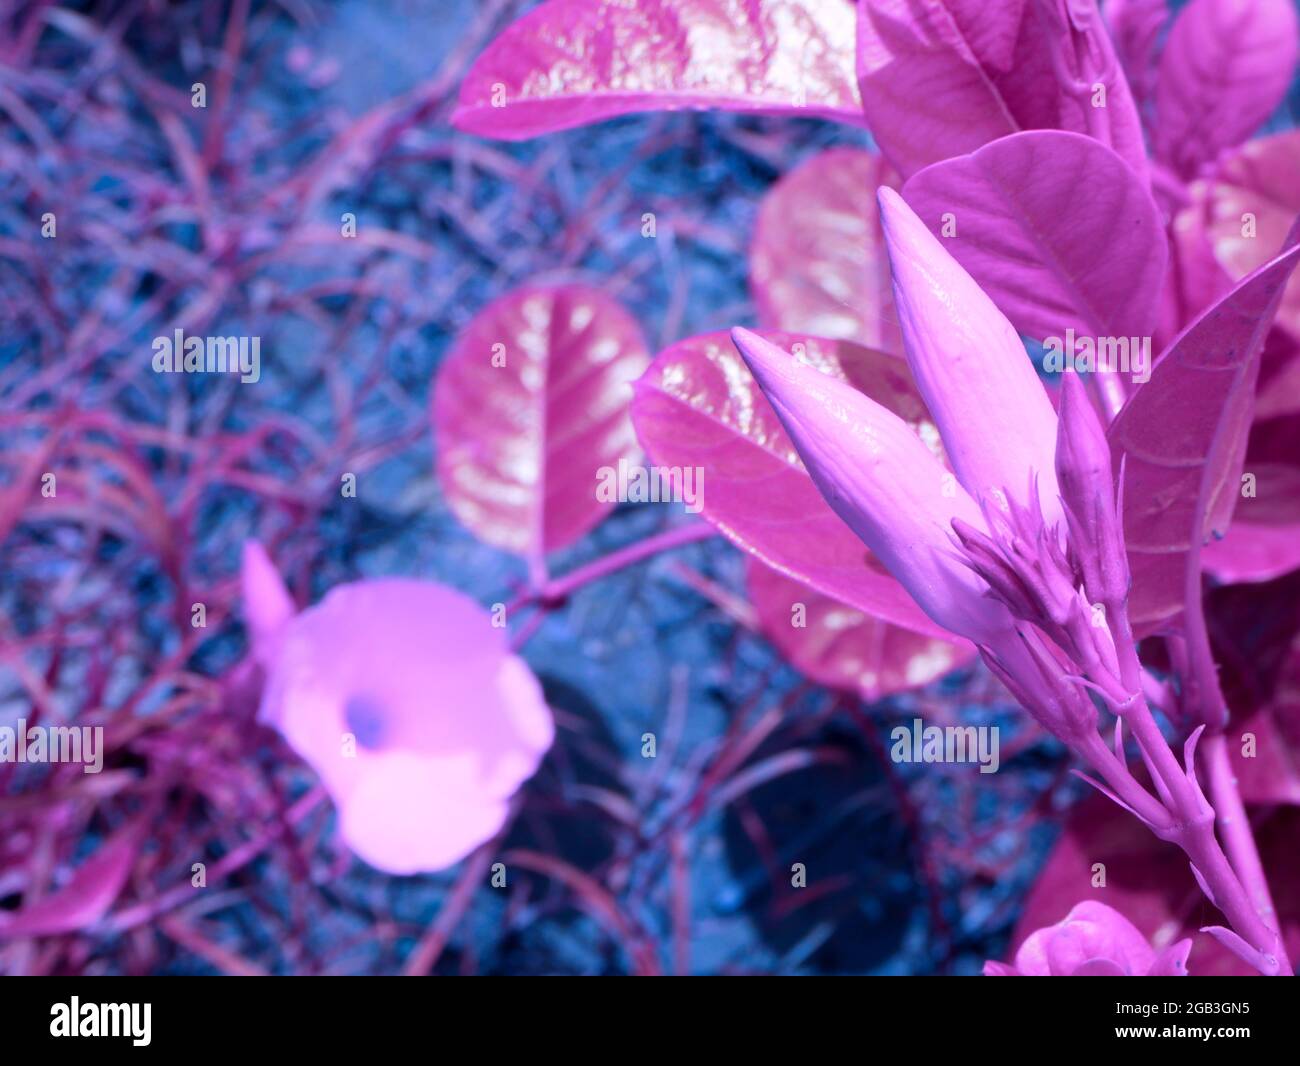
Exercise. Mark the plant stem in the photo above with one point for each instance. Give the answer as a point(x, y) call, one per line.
point(1235, 886)
point(560, 587)
point(1234, 826)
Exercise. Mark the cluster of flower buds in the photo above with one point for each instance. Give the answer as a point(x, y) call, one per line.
point(1025, 554)
point(1066, 590)
point(984, 557)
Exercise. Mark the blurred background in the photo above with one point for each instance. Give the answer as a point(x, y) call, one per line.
point(223, 221)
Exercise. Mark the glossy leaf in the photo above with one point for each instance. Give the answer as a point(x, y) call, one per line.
point(698, 405)
point(1226, 66)
point(1183, 436)
point(573, 62)
point(939, 78)
point(1268, 773)
point(1271, 773)
point(1054, 252)
point(818, 261)
point(924, 75)
point(841, 647)
point(520, 445)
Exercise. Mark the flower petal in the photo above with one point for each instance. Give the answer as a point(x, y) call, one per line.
point(410, 813)
point(1116, 937)
point(1172, 962)
point(267, 604)
point(407, 702)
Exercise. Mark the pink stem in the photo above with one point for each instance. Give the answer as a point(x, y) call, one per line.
point(1092, 749)
point(1234, 827)
point(1194, 831)
point(237, 858)
point(425, 956)
point(560, 587)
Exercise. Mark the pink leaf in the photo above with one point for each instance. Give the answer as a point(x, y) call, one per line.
point(85, 897)
point(1135, 27)
point(1279, 375)
point(1263, 541)
point(924, 71)
point(1054, 252)
point(1253, 552)
point(1194, 280)
point(1271, 774)
point(942, 77)
point(572, 62)
point(1247, 207)
point(520, 445)
point(841, 647)
point(698, 405)
point(1256, 639)
point(1226, 67)
point(1184, 433)
point(818, 262)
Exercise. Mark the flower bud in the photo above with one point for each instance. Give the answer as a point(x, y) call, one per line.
point(1084, 472)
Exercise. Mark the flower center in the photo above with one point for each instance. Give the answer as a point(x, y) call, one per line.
point(366, 720)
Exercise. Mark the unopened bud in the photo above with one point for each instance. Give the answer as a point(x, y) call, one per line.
point(1084, 472)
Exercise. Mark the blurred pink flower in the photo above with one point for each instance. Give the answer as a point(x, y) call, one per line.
point(407, 702)
point(1093, 940)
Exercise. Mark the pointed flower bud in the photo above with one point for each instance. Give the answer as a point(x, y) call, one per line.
point(881, 479)
point(1083, 469)
point(1082, 454)
point(997, 423)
